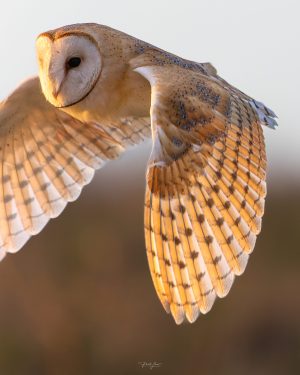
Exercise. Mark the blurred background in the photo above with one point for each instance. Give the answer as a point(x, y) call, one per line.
point(78, 299)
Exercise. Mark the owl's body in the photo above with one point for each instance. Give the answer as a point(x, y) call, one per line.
point(105, 91)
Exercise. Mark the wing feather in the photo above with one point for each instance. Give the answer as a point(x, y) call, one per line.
point(206, 185)
point(47, 157)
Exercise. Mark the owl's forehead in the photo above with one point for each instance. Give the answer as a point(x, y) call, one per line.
point(76, 29)
point(50, 38)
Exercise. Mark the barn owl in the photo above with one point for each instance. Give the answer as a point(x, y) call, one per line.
point(99, 91)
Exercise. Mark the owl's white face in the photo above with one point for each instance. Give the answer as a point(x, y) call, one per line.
point(69, 68)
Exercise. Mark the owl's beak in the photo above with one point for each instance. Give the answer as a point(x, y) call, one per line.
point(56, 77)
point(56, 89)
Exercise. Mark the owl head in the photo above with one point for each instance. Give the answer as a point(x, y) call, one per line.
point(70, 65)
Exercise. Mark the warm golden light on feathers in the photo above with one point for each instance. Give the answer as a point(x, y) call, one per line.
point(206, 180)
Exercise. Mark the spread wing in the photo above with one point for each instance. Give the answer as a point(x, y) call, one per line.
point(205, 184)
point(46, 157)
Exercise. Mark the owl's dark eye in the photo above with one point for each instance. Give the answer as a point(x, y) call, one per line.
point(73, 62)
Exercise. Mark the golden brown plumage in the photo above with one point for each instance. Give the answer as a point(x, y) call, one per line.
point(206, 180)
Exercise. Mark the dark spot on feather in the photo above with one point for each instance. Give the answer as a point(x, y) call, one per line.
point(177, 142)
point(59, 172)
point(227, 205)
point(186, 127)
point(37, 170)
point(177, 241)
point(237, 220)
point(23, 184)
point(201, 218)
point(194, 254)
point(28, 201)
point(181, 264)
point(182, 111)
point(229, 239)
point(217, 259)
point(7, 198)
point(209, 239)
point(11, 217)
point(211, 139)
point(203, 120)
point(218, 175)
point(216, 188)
point(220, 221)
point(5, 178)
point(210, 202)
point(49, 158)
point(231, 189)
point(200, 276)
point(225, 275)
point(207, 292)
point(45, 185)
point(168, 263)
point(188, 232)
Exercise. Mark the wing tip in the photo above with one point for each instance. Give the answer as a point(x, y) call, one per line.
point(177, 313)
point(266, 115)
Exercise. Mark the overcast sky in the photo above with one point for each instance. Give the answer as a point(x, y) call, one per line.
point(253, 44)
